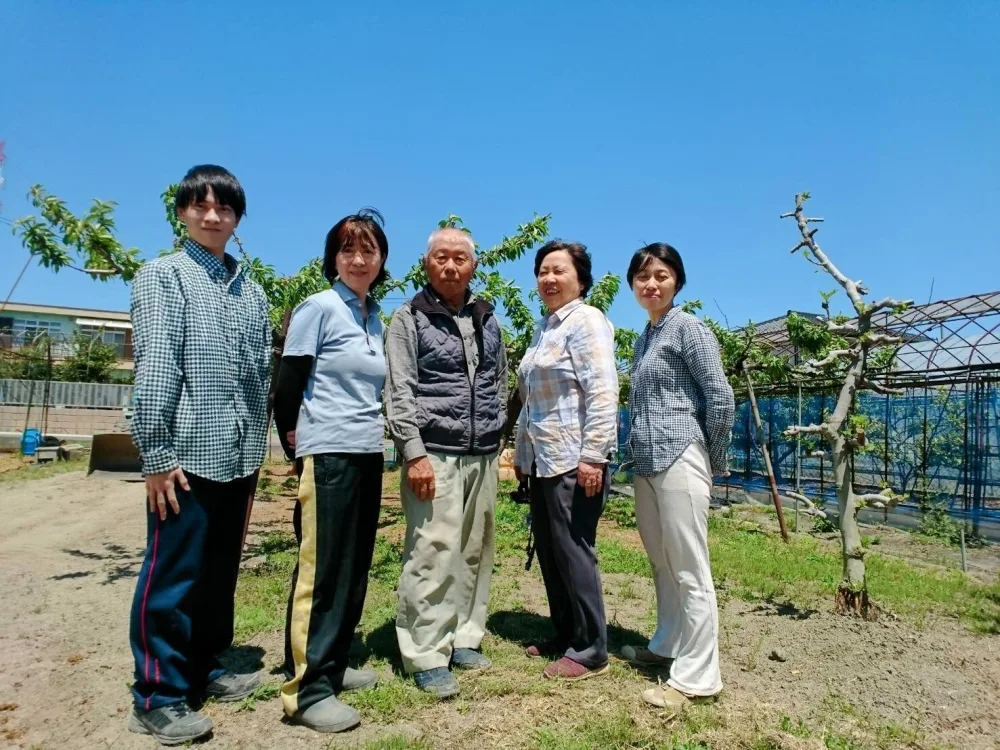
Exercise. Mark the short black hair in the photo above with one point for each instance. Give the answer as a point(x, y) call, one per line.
point(579, 255)
point(662, 252)
point(363, 228)
point(225, 187)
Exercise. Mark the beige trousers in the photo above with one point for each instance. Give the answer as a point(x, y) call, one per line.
point(448, 560)
point(671, 510)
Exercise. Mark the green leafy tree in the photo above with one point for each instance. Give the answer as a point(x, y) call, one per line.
point(91, 360)
point(28, 362)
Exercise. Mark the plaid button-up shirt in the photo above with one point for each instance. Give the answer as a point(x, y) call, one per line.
point(679, 395)
point(202, 342)
point(569, 385)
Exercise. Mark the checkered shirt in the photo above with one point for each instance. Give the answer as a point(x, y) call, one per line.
point(569, 385)
point(202, 342)
point(679, 395)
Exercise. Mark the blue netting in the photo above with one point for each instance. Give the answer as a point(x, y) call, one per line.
point(934, 443)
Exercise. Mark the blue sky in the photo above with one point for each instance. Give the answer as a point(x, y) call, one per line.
point(691, 123)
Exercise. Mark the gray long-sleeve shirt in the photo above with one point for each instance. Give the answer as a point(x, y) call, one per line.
point(402, 377)
point(679, 395)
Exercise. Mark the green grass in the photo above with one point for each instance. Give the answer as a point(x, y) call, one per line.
point(399, 742)
point(262, 593)
point(28, 472)
point(756, 565)
point(617, 731)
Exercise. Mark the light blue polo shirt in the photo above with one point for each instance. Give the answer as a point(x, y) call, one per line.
point(342, 406)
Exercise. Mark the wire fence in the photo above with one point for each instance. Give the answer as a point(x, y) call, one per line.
point(937, 444)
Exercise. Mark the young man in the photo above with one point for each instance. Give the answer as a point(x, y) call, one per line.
point(446, 395)
point(202, 356)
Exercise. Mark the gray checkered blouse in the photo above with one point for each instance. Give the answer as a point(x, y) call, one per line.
point(679, 394)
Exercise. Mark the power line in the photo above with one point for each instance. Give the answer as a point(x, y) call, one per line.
point(18, 281)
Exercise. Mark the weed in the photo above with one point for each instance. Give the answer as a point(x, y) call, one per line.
point(264, 692)
point(621, 510)
point(797, 729)
point(399, 742)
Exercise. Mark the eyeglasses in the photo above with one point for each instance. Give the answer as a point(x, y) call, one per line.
point(367, 254)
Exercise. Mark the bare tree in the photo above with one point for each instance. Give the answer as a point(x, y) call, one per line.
point(846, 347)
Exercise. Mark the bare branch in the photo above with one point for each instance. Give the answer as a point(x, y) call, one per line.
point(816, 454)
point(810, 509)
point(887, 304)
point(885, 390)
point(854, 289)
point(807, 429)
point(832, 356)
point(843, 329)
point(884, 499)
point(813, 220)
point(880, 339)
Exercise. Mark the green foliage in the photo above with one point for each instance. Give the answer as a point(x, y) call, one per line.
point(91, 361)
point(56, 234)
point(30, 362)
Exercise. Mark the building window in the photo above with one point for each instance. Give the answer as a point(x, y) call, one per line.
point(27, 331)
point(113, 336)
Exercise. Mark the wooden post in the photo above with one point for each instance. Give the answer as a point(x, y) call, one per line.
point(767, 455)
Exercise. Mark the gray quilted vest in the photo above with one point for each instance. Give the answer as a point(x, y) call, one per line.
point(455, 416)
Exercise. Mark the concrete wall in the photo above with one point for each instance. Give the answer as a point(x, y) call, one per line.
point(62, 420)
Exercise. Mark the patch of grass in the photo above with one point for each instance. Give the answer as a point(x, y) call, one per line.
point(391, 700)
point(390, 481)
point(43, 471)
point(621, 510)
point(615, 557)
point(262, 593)
point(796, 729)
point(266, 692)
point(399, 742)
point(617, 731)
point(511, 531)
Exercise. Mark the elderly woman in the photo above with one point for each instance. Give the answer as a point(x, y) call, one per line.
point(328, 409)
point(681, 409)
point(566, 432)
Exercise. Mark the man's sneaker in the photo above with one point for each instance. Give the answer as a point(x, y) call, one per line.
point(357, 679)
point(329, 715)
point(643, 657)
point(170, 725)
point(571, 671)
point(467, 658)
point(230, 686)
point(439, 682)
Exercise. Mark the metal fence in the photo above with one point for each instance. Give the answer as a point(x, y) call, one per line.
point(80, 395)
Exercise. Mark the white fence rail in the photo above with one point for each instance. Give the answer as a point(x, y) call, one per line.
point(81, 395)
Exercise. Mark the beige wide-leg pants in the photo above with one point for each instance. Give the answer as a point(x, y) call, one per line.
point(448, 560)
point(671, 509)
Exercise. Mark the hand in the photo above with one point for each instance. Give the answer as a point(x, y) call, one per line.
point(518, 474)
point(160, 491)
point(591, 477)
point(420, 475)
point(290, 438)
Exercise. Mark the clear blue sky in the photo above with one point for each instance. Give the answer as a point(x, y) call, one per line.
point(691, 123)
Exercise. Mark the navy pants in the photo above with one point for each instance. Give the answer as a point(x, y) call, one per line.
point(182, 612)
point(564, 521)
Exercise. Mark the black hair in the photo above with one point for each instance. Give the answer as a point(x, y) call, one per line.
point(577, 253)
point(363, 228)
point(225, 187)
point(662, 252)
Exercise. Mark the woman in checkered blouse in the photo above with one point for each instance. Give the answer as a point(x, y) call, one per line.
point(566, 432)
point(681, 410)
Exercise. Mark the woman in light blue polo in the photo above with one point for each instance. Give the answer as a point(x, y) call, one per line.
point(328, 410)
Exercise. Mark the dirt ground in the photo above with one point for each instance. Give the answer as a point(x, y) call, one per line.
point(70, 549)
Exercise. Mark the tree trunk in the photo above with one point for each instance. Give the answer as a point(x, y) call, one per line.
point(852, 593)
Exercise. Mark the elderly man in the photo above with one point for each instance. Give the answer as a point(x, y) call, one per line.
point(446, 398)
